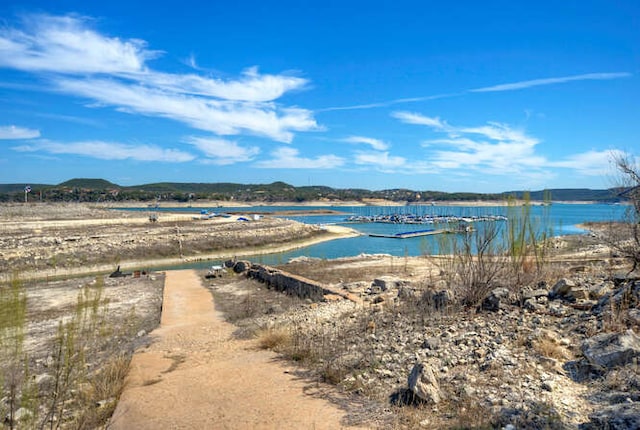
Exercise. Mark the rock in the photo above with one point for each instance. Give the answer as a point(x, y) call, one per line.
point(374, 289)
point(229, 264)
point(43, 379)
point(442, 299)
point(141, 333)
point(492, 301)
point(388, 282)
point(355, 287)
point(534, 294)
point(423, 383)
point(241, 266)
point(532, 305)
point(578, 294)
point(600, 290)
point(623, 416)
point(562, 287)
point(431, 343)
point(609, 350)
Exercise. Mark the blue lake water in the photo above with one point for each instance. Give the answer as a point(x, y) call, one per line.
point(557, 219)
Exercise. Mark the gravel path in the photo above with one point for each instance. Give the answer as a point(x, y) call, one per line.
point(195, 375)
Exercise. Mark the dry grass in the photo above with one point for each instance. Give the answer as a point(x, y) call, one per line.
point(101, 395)
point(548, 346)
point(274, 338)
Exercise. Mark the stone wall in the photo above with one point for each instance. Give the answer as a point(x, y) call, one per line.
point(291, 284)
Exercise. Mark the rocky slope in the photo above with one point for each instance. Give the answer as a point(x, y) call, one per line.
point(560, 355)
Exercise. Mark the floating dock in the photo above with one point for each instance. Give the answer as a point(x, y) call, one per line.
point(409, 234)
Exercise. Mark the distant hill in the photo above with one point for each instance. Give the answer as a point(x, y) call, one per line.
point(571, 194)
point(92, 190)
point(89, 184)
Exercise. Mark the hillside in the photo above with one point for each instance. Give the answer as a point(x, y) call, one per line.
point(93, 190)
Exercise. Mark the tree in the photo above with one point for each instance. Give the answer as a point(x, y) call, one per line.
point(626, 237)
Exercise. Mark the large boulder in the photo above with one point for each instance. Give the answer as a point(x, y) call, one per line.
point(387, 282)
point(609, 350)
point(423, 383)
point(562, 288)
point(241, 266)
point(492, 301)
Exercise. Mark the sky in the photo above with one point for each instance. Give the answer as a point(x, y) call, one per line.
point(450, 96)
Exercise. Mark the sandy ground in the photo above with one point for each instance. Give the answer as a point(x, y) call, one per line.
point(195, 375)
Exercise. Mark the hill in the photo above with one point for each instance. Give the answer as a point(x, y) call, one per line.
point(92, 190)
point(89, 184)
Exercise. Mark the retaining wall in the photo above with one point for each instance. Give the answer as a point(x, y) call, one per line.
point(291, 284)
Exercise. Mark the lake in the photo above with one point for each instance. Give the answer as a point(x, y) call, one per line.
point(556, 219)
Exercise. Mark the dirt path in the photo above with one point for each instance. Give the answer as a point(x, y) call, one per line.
point(195, 375)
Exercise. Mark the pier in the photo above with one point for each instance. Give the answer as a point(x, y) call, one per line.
point(418, 233)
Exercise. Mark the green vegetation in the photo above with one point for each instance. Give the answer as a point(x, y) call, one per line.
point(70, 394)
point(100, 190)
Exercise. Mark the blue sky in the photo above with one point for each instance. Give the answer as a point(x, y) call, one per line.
point(452, 96)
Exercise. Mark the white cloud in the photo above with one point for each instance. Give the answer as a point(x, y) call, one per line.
point(252, 86)
point(500, 149)
point(65, 44)
point(223, 152)
point(380, 160)
point(376, 144)
point(217, 116)
point(108, 151)
point(289, 158)
point(590, 163)
point(11, 132)
point(79, 60)
point(551, 81)
point(418, 119)
point(500, 132)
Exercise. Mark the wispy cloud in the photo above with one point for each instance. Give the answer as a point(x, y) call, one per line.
point(289, 158)
point(494, 147)
point(11, 132)
point(220, 117)
point(498, 149)
point(376, 144)
point(223, 152)
point(418, 119)
point(78, 60)
point(500, 87)
point(381, 161)
point(107, 151)
point(389, 102)
point(552, 81)
point(590, 163)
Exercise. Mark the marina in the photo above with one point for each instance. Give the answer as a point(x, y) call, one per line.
point(422, 219)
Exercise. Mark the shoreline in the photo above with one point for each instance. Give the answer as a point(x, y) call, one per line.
point(212, 204)
point(334, 232)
